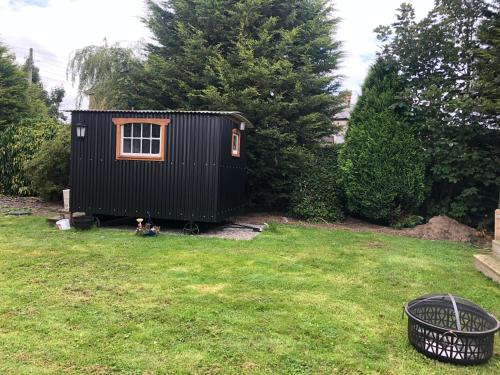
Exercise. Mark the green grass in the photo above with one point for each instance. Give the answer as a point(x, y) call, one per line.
point(293, 300)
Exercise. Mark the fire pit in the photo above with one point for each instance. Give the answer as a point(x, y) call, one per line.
point(451, 329)
point(83, 222)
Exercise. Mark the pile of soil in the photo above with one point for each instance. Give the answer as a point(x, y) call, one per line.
point(445, 228)
point(438, 228)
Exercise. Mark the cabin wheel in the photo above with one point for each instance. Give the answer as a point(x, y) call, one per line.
point(191, 229)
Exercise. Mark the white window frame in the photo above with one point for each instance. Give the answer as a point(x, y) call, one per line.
point(236, 152)
point(140, 138)
point(120, 137)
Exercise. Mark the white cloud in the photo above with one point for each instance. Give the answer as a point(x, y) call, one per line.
point(358, 20)
point(56, 28)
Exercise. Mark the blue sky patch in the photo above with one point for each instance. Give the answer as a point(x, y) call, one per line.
point(365, 57)
point(39, 3)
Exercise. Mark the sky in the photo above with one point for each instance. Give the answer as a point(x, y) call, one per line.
point(56, 28)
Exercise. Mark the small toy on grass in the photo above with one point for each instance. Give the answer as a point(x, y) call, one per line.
point(148, 229)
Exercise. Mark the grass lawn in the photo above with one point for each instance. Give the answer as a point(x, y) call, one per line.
point(293, 300)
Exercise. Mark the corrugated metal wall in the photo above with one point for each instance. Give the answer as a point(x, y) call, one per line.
point(232, 173)
point(188, 185)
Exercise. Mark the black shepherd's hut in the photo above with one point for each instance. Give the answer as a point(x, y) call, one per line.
point(178, 165)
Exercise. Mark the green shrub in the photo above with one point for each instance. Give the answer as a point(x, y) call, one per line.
point(463, 175)
point(317, 196)
point(48, 170)
point(409, 221)
point(18, 143)
point(381, 161)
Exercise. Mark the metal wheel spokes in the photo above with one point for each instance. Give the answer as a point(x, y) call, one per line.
point(191, 229)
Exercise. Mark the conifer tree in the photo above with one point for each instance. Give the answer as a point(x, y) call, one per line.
point(381, 159)
point(273, 60)
point(13, 89)
point(24, 124)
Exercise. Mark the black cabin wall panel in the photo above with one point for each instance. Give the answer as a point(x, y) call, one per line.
point(232, 173)
point(184, 186)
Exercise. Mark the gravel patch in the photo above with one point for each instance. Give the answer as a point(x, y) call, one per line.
point(235, 233)
point(225, 231)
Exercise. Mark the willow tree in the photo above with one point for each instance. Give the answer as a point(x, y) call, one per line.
point(106, 75)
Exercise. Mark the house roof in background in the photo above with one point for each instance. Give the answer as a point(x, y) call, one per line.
point(344, 115)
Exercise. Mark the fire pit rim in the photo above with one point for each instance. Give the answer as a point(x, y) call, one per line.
point(451, 330)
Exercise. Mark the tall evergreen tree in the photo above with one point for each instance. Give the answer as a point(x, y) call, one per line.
point(381, 159)
point(274, 60)
point(13, 89)
point(24, 124)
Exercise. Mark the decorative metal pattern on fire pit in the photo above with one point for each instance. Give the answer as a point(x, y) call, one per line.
point(451, 329)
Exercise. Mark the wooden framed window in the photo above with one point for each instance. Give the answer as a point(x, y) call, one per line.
point(140, 138)
point(235, 143)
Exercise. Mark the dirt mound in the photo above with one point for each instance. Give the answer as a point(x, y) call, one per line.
point(445, 228)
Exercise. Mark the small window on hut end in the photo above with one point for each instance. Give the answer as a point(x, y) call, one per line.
point(235, 143)
point(140, 138)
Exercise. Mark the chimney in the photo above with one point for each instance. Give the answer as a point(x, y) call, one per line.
point(346, 98)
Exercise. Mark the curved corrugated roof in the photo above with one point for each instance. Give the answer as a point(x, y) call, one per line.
point(233, 115)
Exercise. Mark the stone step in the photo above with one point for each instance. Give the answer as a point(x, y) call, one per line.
point(488, 265)
point(495, 247)
point(64, 214)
